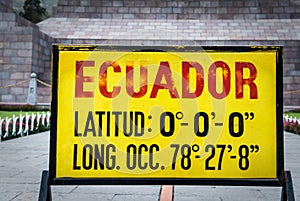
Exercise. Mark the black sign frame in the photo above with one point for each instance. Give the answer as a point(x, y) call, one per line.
point(278, 181)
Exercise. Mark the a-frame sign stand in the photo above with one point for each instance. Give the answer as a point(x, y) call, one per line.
point(45, 188)
point(264, 65)
point(287, 193)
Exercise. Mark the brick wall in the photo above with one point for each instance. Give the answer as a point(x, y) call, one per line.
point(179, 9)
point(5, 5)
point(23, 49)
point(15, 58)
point(41, 63)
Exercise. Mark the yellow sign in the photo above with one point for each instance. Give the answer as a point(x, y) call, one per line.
point(184, 113)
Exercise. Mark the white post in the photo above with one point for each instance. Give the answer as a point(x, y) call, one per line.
point(27, 124)
point(7, 121)
point(1, 122)
point(48, 118)
point(32, 90)
point(33, 117)
point(14, 120)
point(20, 132)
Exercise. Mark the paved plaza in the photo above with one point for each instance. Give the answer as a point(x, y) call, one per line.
point(23, 159)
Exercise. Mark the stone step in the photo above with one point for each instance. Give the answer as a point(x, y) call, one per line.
point(151, 29)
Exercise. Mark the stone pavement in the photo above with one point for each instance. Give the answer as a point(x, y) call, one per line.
point(22, 161)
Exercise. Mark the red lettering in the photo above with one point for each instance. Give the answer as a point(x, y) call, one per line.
point(164, 71)
point(103, 79)
point(130, 80)
point(192, 72)
point(241, 81)
point(212, 79)
point(186, 66)
point(80, 79)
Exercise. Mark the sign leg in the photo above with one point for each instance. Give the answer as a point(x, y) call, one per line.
point(45, 188)
point(287, 193)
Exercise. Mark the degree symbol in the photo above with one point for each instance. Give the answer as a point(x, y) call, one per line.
point(179, 115)
point(195, 148)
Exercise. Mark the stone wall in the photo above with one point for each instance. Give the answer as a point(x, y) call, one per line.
point(5, 5)
point(41, 63)
point(179, 9)
point(23, 49)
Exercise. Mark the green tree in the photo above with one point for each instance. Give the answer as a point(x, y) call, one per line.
point(33, 11)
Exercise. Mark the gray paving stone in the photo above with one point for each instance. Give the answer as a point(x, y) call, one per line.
point(226, 193)
point(9, 195)
point(125, 190)
point(74, 197)
point(135, 198)
point(25, 196)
